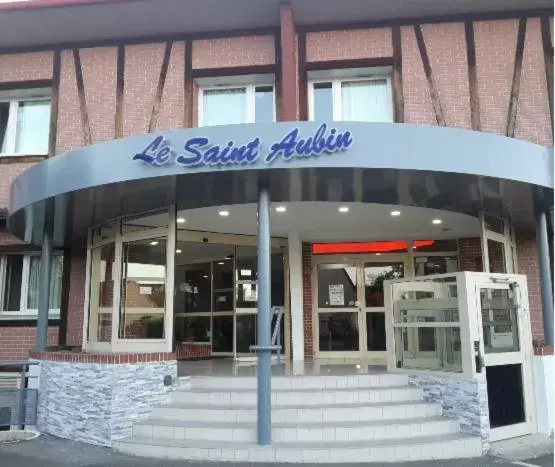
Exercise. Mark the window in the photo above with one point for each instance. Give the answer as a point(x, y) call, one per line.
point(20, 275)
point(24, 122)
point(237, 104)
point(351, 99)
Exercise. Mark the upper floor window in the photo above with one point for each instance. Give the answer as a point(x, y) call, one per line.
point(246, 102)
point(350, 97)
point(24, 122)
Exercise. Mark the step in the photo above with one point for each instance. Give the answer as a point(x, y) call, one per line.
point(302, 382)
point(424, 448)
point(296, 432)
point(294, 413)
point(299, 396)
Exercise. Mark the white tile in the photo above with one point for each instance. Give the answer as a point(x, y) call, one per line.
point(162, 432)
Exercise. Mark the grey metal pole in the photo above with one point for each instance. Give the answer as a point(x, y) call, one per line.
point(44, 289)
point(545, 275)
point(264, 323)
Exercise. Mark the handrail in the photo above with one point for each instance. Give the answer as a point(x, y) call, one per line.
point(276, 333)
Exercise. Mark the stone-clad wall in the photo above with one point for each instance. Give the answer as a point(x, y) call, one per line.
point(98, 403)
point(465, 400)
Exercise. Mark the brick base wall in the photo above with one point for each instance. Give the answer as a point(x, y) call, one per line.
point(307, 301)
point(185, 350)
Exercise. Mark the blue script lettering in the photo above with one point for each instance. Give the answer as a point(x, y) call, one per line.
point(199, 151)
point(322, 142)
point(156, 153)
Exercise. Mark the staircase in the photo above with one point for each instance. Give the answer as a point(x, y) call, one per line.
point(355, 418)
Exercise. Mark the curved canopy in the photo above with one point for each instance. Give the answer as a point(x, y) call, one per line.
point(301, 161)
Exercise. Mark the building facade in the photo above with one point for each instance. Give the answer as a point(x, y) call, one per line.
point(393, 143)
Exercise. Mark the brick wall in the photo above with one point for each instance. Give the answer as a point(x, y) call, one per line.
point(17, 341)
point(470, 254)
point(526, 252)
point(309, 349)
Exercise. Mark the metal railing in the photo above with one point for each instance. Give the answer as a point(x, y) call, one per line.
point(18, 395)
point(277, 311)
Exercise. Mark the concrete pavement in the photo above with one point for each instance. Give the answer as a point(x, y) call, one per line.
point(47, 451)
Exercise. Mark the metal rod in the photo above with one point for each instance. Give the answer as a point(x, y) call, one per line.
point(44, 290)
point(264, 323)
point(545, 275)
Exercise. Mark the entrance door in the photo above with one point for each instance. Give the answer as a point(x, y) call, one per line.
point(374, 272)
point(350, 306)
point(506, 341)
point(338, 309)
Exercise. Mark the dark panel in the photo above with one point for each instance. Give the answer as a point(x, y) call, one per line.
point(505, 395)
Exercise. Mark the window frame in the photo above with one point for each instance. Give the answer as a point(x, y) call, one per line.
point(14, 98)
point(337, 101)
point(24, 312)
point(250, 96)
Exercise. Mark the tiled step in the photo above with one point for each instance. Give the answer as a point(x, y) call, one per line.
point(303, 382)
point(350, 412)
point(296, 432)
point(397, 450)
point(305, 397)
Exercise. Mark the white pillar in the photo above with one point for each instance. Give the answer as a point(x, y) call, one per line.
point(296, 296)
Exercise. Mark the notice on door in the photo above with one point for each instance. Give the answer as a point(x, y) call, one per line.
point(337, 295)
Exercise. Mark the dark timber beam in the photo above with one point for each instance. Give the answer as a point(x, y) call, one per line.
point(55, 100)
point(548, 60)
point(288, 65)
point(398, 95)
point(85, 125)
point(120, 80)
point(188, 88)
point(472, 76)
point(432, 86)
point(160, 88)
point(517, 73)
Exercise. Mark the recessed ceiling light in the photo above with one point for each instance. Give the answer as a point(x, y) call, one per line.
point(395, 213)
point(181, 220)
point(224, 213)
point(378, 254)
point(220, 262)
point(205, 276)
point(437, 221)
point(343, 209)
point(178, 251)
point(154, 242)
point(281, 209)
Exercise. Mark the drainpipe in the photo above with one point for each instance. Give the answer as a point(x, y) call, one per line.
point(264, 347)
point(44, 284)
point(544, 266)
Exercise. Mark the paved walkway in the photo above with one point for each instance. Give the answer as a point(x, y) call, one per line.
point(47, 451)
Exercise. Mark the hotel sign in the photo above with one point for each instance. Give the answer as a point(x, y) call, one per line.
point(200, 151)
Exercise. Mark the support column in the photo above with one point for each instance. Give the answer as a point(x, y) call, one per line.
point(264, 347)
point(44, 287)
point(288, 64)
point(545, 275)
point(296, 299)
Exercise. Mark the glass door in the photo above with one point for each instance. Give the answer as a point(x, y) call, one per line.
point(374, 273)
point(506, 340)
point(338, 310)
